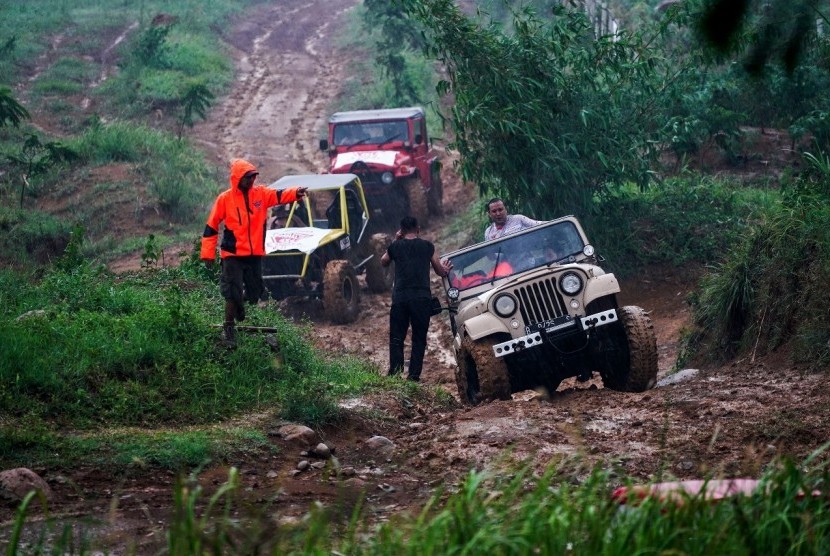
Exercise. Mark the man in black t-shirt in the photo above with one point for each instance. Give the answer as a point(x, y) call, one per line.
point(411, 295)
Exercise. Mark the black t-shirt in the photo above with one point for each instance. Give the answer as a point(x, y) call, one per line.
point(412, 262)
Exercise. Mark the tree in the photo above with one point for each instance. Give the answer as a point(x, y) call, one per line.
point(37, 157)
point(765, 31)
point(398, 34)
point(547, 117)
point(194, 101)
point(11, 112)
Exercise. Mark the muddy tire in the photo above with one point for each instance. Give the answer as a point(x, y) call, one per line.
point(379, 278)
point(417, 199)
point(480, 375)
point(638, 371)
point(341, 293)
point(435, 197)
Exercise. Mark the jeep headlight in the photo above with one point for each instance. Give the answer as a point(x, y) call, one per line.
point(453, 294)
point(570, 283)
point(588, 250)
point(504, 305)
point(387, 178)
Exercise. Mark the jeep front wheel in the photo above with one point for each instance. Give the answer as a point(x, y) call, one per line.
point(417, 199)
point(379, 278)
point(635, 369)
point(341, 294)
point(480, 375)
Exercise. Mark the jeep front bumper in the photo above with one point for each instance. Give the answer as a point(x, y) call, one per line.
point(552, 328)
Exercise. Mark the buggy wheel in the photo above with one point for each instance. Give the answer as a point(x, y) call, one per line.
point(634, 368)
point(341, 294)
point(480, 375)
point(417, 199)
point(435, 197)
point(379, 278)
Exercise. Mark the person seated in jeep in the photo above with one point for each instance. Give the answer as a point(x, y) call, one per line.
point(502, 223)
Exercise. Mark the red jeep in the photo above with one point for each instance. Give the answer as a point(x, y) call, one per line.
point(390, 151)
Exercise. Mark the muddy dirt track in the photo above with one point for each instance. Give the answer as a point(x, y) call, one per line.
point(728, 421)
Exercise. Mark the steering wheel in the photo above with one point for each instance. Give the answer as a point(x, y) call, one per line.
point(359, 168)
point(473, 279)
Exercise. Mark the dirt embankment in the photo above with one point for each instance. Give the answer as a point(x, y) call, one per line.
point(726, 421)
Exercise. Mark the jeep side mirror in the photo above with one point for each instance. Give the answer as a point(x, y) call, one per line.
point(324, 144)
point(419, 139)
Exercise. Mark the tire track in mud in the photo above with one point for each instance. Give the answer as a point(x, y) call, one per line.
point(288, 72)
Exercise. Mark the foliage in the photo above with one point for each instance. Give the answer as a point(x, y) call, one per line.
point(370, 82)
point(780, 29)
point(11, 111)
point(72, 259)
point(515, 512)
point(815, 125)
point(150, 48)
point(94, 350)
point(151, 254)
point(177, 175)
point(547, 117)
point(397, 37)
point(691, 219)
point(195, 101)
point(772, 288)
point(37, 157)
point(195, 534)
point(31, 238)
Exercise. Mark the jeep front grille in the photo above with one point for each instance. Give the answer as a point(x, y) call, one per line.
point(540, 301)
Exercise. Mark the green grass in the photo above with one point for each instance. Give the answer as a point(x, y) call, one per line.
point(65, 77)
point(140, 349)
point(28, 237)
point(176, 176)
point(168, 175)
point(693, 219)
point(780, 271)
point(510, 513)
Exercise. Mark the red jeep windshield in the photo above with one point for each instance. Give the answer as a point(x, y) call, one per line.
point(370, 133)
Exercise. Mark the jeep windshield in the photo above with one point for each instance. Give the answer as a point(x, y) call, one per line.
point(543, 245)
point(373, 133)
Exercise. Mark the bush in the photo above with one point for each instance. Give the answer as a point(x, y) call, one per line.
point(693, 219)
point(772, 289)
point(31, 236)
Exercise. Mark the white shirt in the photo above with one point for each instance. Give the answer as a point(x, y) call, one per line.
point(515, 223)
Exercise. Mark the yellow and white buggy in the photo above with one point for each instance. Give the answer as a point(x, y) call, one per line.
point(316, 248)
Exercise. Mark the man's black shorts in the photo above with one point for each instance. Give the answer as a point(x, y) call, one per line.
point(241, 279)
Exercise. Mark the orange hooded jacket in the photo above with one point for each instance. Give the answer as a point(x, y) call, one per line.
point(244, 233)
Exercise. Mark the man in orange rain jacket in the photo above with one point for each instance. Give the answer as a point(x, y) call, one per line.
point(244, 209)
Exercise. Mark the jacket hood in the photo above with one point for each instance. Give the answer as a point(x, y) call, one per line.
point(239, 168)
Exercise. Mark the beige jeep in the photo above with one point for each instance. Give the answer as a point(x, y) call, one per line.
point(533, 308)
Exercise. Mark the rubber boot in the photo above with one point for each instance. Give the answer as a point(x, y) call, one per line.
point(229, 335)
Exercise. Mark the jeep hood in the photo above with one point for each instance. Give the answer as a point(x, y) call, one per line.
point(376, 159)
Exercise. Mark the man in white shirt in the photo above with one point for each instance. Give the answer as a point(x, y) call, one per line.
point(504, 224)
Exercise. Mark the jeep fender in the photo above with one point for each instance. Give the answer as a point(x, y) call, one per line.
point(600, 286)
point(484, 325)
